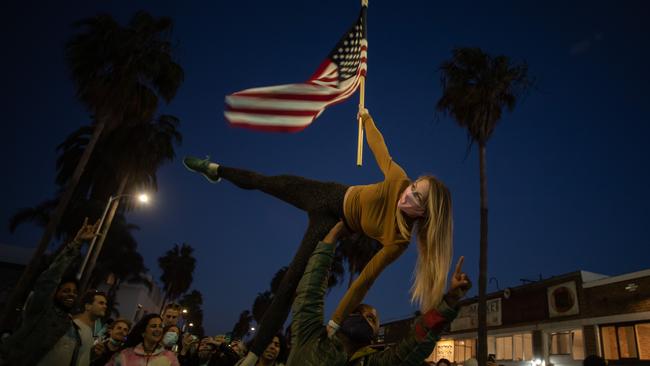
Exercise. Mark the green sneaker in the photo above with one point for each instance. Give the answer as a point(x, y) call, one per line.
point(201, 166)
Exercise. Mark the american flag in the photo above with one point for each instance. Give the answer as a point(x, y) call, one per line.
point(292, 107)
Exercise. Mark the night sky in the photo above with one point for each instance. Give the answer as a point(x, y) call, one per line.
point(568, 173)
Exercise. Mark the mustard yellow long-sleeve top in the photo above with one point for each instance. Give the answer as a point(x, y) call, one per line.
point(372, 208)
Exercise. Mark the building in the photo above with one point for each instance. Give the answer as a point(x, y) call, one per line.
point(133, 300)
point(556, 321)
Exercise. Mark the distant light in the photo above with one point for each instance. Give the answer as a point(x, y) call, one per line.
point(184, 311)
point(191, 324)
point(252, 329)
point(143, 198)
point(631, 287)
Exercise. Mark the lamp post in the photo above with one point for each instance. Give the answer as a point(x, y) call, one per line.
point(98, 241)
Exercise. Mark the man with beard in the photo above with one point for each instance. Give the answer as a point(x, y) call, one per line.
point(350, 346)
point(117, 335)
point(48, 336)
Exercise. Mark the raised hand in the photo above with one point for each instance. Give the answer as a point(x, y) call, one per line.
point(362, 112)
point(459, 283)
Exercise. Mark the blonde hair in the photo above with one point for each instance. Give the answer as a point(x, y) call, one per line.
point(434, 233)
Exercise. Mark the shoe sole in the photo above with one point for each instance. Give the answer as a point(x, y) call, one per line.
point(203, 174)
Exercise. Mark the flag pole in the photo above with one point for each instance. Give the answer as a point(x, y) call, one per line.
point(362, 90)
point(362, 97)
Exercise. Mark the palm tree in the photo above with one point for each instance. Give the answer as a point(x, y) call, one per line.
point(476, 89)
point(193, 301)
point(118, 72)
point(240, 329)
point(356, 250)
point(261, 303)
point(177, 267)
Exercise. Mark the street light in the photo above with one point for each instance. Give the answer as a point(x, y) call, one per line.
point(191, 325)
point(92, 254)
point(184, 311)
point(252, 329)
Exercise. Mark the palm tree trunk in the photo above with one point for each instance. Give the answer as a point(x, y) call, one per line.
point(85, 279)
point(482, 278)
point(29, 275)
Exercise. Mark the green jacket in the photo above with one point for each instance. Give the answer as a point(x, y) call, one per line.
point(45, 323)
point(310, 345)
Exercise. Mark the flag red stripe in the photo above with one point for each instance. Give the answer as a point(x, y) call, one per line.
point(272, 112)
point(268, 128)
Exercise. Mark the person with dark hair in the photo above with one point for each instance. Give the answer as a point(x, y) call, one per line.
point(143, 345)
point(443, 362)
point(48, 336)
point(594, 360)
point(351, 345)
point(274, 354)
point(171, 335)
point(210, 352)
point(94, 306)
point(117, 332)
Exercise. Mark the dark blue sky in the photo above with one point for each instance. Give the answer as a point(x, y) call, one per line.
point(568, 173)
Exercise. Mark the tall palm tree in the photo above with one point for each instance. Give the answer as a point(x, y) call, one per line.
point(476, 89)
point(117, 72)
point(177, 267)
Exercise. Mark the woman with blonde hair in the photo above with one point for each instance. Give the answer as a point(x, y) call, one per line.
point(389, 212)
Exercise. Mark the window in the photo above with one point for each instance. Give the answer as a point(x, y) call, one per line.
point(626, 341)
point(504, 348)
point(643, 339)
point(464, 349)
point(560, 343)
point(610, 347)
point(515, 347)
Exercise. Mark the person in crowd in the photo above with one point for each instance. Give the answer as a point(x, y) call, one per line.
point(170, 314)
point(171, 336)
point(144, 346)
point(443, 362)
point(48, 336)
point(94, 305)
point(209, 353)
point(104, 351)
point(470, 362)
point(311, 344)
point(391, 211)
point(594, 360)
point(274, 354)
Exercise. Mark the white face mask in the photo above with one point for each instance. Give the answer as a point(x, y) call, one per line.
point(170, 339)
point(409, 204)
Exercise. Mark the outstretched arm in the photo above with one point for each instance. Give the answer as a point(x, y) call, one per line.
point(307, 308)
point(378, 147)
point(428, 327)
point(47, 282)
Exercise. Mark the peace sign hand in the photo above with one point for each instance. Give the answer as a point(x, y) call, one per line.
point(459, 283)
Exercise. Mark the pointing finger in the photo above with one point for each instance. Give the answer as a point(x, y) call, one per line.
point(459, 265)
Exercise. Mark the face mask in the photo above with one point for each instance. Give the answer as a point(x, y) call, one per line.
point(409, 205)
point(170, 339)
point(357, 328)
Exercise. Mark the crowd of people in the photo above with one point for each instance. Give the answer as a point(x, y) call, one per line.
point(61, 328)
